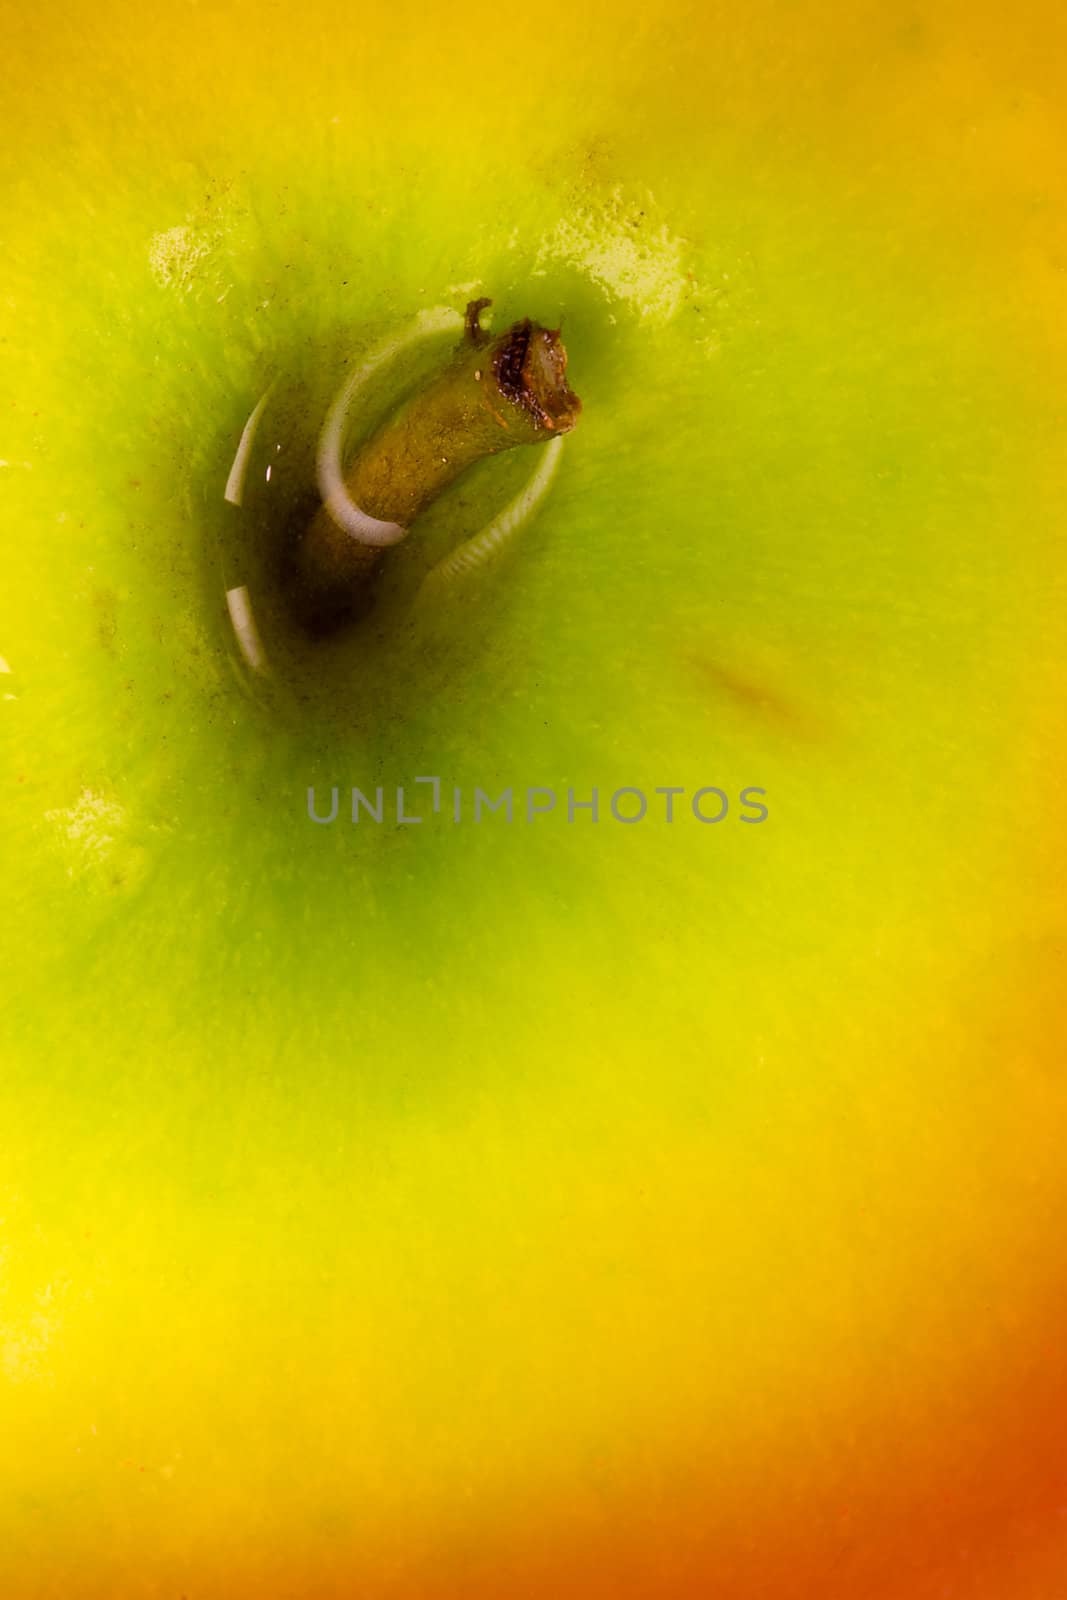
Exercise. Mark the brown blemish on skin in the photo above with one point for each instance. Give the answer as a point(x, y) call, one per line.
point(755, 698)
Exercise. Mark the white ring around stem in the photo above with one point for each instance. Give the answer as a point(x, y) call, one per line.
point(483, 547)
point(342, 508)
point(235, 483)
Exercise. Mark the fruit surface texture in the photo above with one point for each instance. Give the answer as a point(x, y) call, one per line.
point(569, 1205)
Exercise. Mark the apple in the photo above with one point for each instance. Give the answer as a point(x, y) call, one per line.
point(494, 1195)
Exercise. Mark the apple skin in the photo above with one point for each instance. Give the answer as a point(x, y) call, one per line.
point(556, 1206)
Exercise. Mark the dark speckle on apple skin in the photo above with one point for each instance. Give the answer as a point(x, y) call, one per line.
point(105, 602)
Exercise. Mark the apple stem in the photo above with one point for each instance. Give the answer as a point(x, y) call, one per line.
point(495, 394)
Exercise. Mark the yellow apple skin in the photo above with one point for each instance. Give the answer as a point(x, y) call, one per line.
point(557, 1207)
